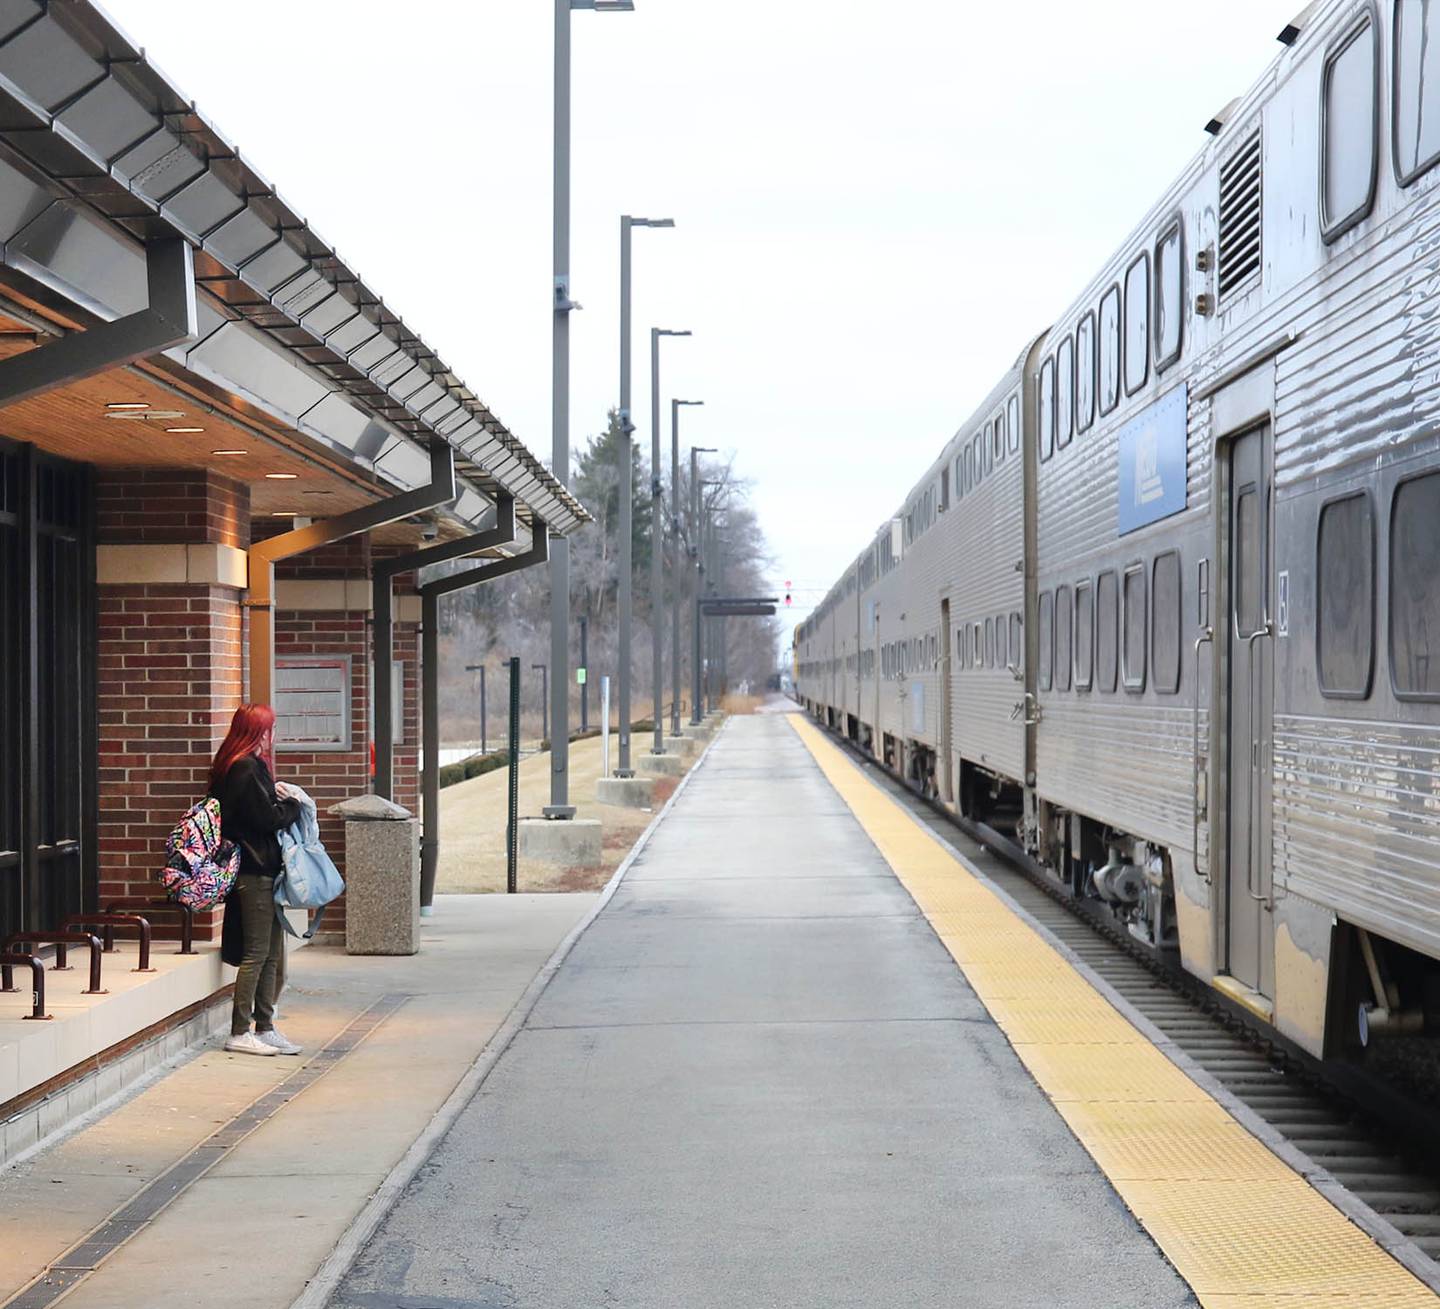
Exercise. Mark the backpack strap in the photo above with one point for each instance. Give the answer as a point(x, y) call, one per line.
point(314, 922)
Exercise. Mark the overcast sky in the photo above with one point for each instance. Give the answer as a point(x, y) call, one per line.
point(877, 204)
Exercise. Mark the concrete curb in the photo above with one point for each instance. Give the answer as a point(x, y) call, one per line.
point(328, 1276)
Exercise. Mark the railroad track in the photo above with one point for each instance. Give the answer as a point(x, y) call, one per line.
point(1379, 1142)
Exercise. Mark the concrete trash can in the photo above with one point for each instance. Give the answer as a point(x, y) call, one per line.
point(382, 876)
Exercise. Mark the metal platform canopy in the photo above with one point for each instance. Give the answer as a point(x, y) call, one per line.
point(101, 156)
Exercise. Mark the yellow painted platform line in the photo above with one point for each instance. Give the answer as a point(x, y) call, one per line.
point(1241, 1227)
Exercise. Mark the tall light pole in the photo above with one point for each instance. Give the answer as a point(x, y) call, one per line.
point(697, 554)
point(562, 304)
point(627, 531)
point(677, 572)
point(657, 542)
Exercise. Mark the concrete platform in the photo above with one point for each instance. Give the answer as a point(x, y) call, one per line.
point(626, 792)
point(250, 1232)
point(761, 1079)
point(569, 843)
point(687, 747)
point(660, 765)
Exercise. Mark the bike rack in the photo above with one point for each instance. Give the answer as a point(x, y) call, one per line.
point(9, 962)
point(60, 940)
point(110, 921)
point(187, 915)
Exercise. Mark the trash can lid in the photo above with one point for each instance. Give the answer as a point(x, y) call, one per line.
point(373, 807)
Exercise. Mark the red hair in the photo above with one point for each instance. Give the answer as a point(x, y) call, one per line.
point(249, 734)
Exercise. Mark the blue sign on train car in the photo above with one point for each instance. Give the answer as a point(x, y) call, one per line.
point(1153, 463)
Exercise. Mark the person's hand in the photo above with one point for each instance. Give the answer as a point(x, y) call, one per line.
point(282, 791)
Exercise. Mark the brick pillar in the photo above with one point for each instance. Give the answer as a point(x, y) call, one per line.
point(170, 567)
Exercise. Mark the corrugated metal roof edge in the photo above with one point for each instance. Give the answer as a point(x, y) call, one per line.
point(87, 23)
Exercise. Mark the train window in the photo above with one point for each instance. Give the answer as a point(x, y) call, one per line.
point(976, 648)
point(1137, 324)
point(1012, 423)
point(1345, 597)
point(1045, 429)
point(1417, 73)
point(1047, 640)
point(1084, 636)
point(1132, 625)
point(987, 450)
point(1064, 393)
point(1085, 372)
point(989, 643)
point(1165, 622)
point(960, 647)
point(944, 490)
point(978, 472)
point(1348, 131)
point(1002, 655)
point(1415, 589)
point(1169, 295)
point(1109, 349)
point(1107, 617)
point(1017, 649)
point(1064, 637)
point(1000, 436)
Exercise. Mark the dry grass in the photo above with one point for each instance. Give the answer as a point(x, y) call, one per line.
point(741, 704)
point(472, 825)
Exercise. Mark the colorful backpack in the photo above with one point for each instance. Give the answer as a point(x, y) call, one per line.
point(200, 866)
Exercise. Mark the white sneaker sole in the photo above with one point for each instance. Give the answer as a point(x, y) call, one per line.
point(250, 1049)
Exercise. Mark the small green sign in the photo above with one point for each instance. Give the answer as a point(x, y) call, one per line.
point(579, 677)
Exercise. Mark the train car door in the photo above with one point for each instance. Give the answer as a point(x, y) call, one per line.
point(1250, 951)
point(947, 751)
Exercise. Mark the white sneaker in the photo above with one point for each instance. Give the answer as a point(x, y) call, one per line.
point(279, 1042)
point(249, 1043)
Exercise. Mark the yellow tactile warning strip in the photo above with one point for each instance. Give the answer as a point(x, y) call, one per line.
point(1240, 1226)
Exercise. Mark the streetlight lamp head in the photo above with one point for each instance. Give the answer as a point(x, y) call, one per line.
point(605, 6)
point(689, 402)
point(665, 331)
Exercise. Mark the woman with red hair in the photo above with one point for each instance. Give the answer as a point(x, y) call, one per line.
point(253, 810)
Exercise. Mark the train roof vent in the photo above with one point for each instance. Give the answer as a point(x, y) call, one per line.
point(1240, 216)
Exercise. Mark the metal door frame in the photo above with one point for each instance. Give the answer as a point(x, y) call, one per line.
point(947, 703)
point(1240, 409)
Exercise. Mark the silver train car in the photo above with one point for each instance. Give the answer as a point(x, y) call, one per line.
point(1166, 609)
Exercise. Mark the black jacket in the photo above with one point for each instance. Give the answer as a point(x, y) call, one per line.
point(251, 815)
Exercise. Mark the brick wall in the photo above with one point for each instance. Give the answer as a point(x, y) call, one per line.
point(169, 669)
point(165, 506)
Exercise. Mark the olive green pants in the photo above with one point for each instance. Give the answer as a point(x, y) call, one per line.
point(261, 976)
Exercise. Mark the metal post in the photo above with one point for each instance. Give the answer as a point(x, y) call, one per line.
point(604, 727)
point(480, 668)
point(699, 580)
point(585, 672)
point(676, 570)
point(657, 550)
point(559, 806)
point(544, 700)
point(627, 529)
point(512, 820)
point(430, 744)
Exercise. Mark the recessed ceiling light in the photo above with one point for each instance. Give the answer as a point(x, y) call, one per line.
point(282, 477)
point(229, 452)
point(284, 513)
point(317, 492)
point(127, 404)
point(185, 430)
